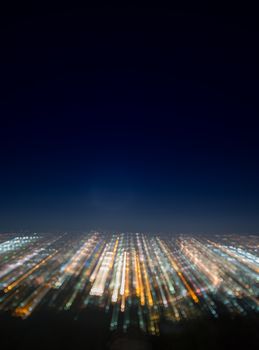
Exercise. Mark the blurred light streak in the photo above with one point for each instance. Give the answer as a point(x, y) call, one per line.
point(137, 278)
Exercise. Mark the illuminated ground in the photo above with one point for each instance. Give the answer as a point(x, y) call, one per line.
point(141, 281)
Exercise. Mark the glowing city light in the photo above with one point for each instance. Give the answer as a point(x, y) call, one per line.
point(138, 278)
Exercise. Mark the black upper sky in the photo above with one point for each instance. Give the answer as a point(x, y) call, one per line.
point(136, 120)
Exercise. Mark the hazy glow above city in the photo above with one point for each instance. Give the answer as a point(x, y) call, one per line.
point(136, 278)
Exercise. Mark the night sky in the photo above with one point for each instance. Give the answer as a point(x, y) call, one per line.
point(130, 120)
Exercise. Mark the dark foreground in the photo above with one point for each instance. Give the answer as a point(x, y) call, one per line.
point(91, 331)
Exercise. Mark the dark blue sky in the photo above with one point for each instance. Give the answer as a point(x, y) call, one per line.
point(136, 120)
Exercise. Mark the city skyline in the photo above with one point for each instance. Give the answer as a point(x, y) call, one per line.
point(136, 279)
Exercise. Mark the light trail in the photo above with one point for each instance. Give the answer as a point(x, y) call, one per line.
point(136, 277)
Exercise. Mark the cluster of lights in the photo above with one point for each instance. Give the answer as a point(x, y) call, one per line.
point(137, 278)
